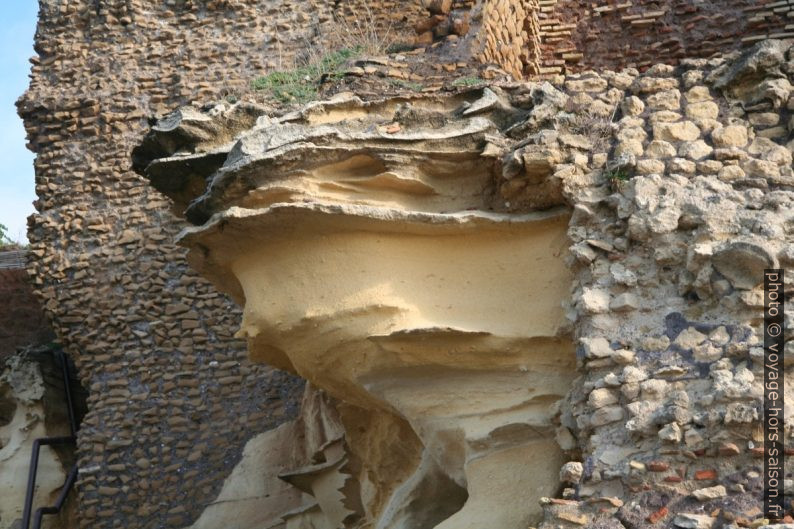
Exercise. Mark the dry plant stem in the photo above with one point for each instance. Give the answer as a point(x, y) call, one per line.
point(595, 127)
point(363, 33)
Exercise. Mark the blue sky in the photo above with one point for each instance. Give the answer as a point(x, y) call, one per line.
point(17, 187)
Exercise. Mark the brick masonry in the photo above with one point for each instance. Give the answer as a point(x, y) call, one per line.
point(577, 35)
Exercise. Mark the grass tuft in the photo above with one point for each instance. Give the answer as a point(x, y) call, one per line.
point(595, 127)
point(300, 85)
point(617, 178)
point(323, 57)
point(467, 81)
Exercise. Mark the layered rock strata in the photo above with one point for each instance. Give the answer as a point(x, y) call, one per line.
point(360, 236)
point(362, 240)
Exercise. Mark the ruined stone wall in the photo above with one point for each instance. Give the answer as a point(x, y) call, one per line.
point(173, 398)
point(528, 38)
point(577, 35)
point(668, 301)
point(500, 32)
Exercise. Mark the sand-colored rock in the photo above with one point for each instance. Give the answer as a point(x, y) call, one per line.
point(365, 256)
point(22, 421)
point(253, 495)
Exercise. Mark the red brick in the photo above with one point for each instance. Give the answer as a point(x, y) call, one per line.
point(707, 474)
point(658, 515)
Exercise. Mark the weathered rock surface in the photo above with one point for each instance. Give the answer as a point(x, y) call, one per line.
point(363, 240)
point(32, 405)
point(357, 234)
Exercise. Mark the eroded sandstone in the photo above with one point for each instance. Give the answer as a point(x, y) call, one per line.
point(374, 256)
point(32, 406)
point(357, 234)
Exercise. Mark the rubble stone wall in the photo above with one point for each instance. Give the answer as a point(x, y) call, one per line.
point(668, 301)
point(173, 397)
point(577, 35)
point(528, 38)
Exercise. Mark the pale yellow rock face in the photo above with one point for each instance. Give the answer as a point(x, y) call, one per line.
point(376, 270)
point(386, 285)
point(453, 327)
point(22, 414)
point(253, 495)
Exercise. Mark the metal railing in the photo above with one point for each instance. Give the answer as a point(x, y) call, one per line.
point(51, 441)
